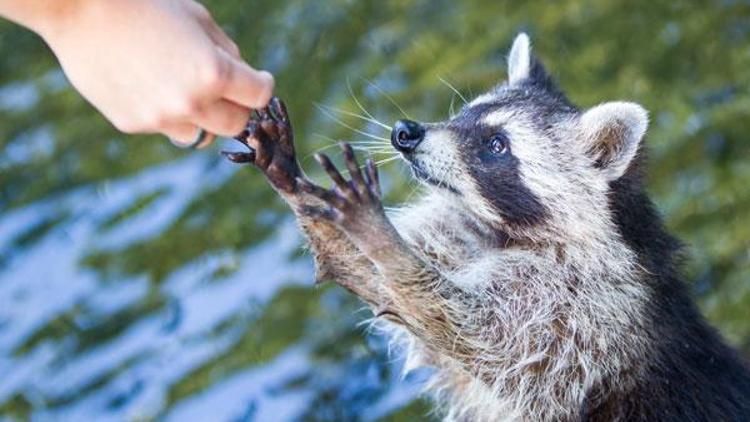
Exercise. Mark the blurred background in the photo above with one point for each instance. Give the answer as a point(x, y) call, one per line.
point(140, 282)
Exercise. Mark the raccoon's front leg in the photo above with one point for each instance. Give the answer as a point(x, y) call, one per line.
point(270, 140)
point(419, 296)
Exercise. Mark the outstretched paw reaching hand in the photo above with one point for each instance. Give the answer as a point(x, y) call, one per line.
point(270, 140)
point(353, 205)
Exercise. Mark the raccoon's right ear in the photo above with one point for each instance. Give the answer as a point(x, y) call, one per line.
point(611, 133)
point(523, 66)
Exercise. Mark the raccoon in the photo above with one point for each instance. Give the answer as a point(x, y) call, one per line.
point(534, 274)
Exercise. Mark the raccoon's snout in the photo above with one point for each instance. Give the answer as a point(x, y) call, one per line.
point(406, 135)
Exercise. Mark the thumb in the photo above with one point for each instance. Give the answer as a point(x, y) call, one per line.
point(245, 85)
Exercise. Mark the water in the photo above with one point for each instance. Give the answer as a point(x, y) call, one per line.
point(138, 281)
point(201, 318)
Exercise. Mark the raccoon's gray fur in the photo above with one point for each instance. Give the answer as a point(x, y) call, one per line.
point(534, 274)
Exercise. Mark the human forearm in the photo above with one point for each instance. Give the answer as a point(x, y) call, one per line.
point(39, 15)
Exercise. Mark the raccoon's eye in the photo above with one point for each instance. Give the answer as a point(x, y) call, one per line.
point(498, 144)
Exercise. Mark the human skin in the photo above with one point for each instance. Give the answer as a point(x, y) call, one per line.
point(149, 66)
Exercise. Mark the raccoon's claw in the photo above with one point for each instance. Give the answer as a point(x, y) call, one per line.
point(250, 157)
point(277, 109)
point(240, 157)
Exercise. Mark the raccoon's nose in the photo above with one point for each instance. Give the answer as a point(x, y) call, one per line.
point(406, 135)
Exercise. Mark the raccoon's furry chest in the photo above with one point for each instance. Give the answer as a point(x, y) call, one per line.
point(553, 321)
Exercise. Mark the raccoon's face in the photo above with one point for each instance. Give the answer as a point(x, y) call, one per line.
point(522, 156)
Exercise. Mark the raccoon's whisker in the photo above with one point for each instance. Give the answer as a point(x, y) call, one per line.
point(453, 88)
point(351, 141)
point(365, 142)
point(369, 146)
point(376, 149)
point(356, 148)
point(451, 110)
point(387, 160)
point(414, 189)
point(334, 144)
point(377, 163)
point(356, 101)
point(339, 121)
point(379, 145)
point(324, 137)
point(378, 152)
point(373, 148)
point(349, 113)
point(389, 98)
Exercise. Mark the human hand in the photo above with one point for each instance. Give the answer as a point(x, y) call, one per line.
point(155, 66)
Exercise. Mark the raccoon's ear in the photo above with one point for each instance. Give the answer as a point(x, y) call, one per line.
point(523, 66)
point(611, 133)
point(519, 59)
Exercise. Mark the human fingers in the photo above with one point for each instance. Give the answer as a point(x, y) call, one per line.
point(221, 117)
point(184, 134)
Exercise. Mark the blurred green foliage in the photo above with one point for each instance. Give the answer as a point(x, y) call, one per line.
point(685, 61)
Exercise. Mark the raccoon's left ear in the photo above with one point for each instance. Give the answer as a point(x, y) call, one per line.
point(523, 66)
point(611, 133)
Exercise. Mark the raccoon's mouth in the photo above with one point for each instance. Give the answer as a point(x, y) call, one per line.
point(421, 174)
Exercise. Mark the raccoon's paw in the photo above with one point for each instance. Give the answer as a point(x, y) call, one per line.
point(353, 205)
point(270, 142)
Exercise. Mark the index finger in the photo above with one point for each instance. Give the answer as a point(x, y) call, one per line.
point(247, 86)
